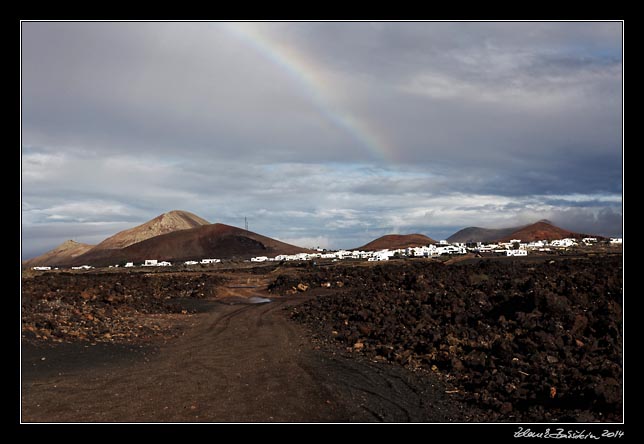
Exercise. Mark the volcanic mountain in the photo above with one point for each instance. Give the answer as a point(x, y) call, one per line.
point(478, 234)
point(165, 223)
point(396, 241)
point(65, 252)
point(542, 230)
point(206, 241)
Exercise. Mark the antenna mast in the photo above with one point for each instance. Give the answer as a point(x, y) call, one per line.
point(246, 223)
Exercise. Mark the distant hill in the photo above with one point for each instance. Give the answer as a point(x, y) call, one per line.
point(206, 241)
point(65, 252)
point(542, 230)
point(165, 223)
point(396, 241)
point(478, 234)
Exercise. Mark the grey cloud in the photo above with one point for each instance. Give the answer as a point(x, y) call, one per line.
point(482, 124)
point(160, 89)
point(605, 221)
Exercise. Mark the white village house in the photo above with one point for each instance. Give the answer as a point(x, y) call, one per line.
point(155, 263)
point(563, 243)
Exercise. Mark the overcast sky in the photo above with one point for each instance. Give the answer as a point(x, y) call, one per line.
point(321, 134)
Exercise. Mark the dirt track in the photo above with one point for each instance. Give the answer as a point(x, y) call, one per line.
point(239, 362)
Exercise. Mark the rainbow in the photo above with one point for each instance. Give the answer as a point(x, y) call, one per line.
point(317, 88)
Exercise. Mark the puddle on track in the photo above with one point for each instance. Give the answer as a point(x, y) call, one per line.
point(259, 300)
point(236, 300)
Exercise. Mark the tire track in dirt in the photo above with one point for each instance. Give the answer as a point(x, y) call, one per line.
point(237, 363)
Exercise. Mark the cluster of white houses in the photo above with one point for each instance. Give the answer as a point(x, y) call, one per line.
point(157, 263)
point(378, 255)
point(147, 263)
point(512, 248)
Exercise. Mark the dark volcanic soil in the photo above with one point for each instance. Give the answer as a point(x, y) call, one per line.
point(239, 362)
point(527, 342)
point(402, 341)
point(95, 307)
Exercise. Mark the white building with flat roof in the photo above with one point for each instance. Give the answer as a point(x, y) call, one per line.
point(210, 261)
point(565, 243)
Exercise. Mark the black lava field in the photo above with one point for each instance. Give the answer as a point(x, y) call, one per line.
point(522, 341)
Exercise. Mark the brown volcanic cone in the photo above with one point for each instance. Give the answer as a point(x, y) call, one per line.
point(396, 241)
point(165, 223)
point(65, 252)
point(207, 241)
point(542, 230)
point(478, 234)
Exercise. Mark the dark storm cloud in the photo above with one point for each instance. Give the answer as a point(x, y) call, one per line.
point(488, 124)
